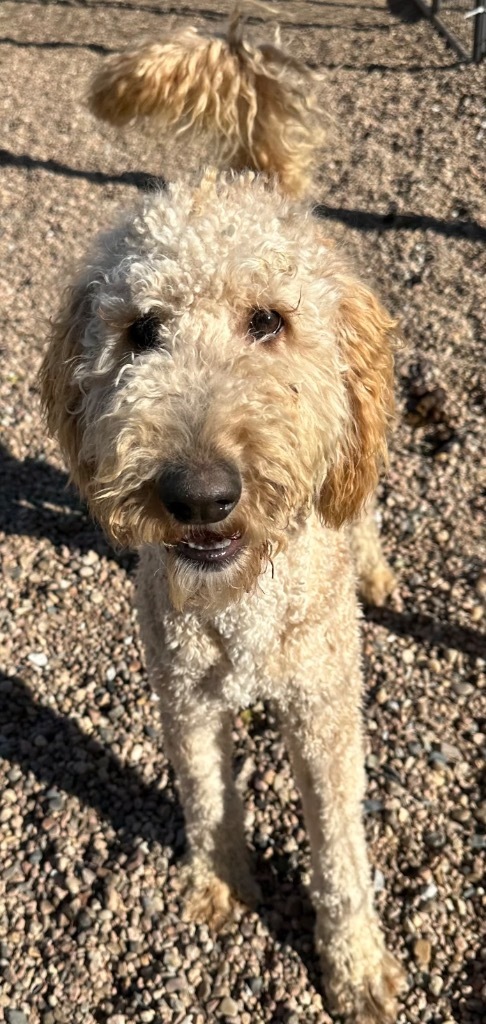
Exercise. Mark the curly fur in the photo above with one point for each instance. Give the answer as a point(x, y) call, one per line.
point(297, 450)
point(256, 103)
point(303, 415)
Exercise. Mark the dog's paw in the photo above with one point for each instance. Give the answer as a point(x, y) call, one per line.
point(377, 1000)
point(209, 900)
point(376, 586)
point(374, 998)
point(212, 903)
point(362, 980)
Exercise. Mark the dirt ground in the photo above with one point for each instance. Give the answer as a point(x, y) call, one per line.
point(91, 829)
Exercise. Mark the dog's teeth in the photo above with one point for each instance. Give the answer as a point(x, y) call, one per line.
point(210, 545)
point(217, 545)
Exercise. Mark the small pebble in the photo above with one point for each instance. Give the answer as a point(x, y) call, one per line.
point(38, 658)
point(228, 1007)
point(436, 984)
point(422, 951)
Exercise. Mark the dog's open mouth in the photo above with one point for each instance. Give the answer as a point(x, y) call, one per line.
point(209, 549)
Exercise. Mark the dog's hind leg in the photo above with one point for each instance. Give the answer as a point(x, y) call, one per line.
point(376, 581)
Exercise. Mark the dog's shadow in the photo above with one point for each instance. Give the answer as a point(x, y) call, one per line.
point(61, 755)
point(36, 500)
point(55, 749)
point(287, 912)
point(470, 1004)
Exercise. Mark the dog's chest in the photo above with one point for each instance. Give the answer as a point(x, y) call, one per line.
point(252, 634)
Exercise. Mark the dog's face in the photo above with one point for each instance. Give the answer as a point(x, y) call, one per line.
point(215, 373)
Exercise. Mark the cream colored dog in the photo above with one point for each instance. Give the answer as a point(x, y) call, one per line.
point(221, 386)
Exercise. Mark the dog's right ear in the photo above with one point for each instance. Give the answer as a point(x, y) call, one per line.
point(61, 392)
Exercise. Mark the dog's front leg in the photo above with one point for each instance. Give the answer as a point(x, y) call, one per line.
point(323, 733)
point(198, 743)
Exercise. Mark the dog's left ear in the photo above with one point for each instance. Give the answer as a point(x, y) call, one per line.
point(364, 333)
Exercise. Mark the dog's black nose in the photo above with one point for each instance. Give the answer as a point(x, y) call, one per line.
point(204, 495)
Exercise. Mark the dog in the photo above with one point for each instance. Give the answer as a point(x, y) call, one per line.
point(221, 385)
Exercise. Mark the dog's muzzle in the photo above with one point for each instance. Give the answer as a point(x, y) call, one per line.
point(198, 499)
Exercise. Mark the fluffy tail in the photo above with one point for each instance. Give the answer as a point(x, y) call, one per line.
point(257, 104)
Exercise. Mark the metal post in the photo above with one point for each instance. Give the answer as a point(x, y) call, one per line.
point(479, 42)
point(430, 12)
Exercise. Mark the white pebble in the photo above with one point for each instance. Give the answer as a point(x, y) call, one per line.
point(39, 659)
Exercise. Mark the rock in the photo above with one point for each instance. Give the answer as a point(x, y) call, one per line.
point(203, 990)
point(435, 840)
point(428, 892)
point(422, 951)
point(84, 920)
point(460, 814)
point(463, 689)
point(436, 985)
point(177, 984)
point(372, 806)
point(434, 665)
point(378, 880)
point(38, 658)
point(228, 1007)
point(450, 752)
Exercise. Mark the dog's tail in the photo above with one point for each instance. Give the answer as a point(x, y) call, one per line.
point(256, 103)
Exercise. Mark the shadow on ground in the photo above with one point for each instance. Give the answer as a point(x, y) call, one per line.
point(36, 500)
point(139, 179)
point(76, 764)
point(471, 1006)
point(368, 220)
point(428, 630)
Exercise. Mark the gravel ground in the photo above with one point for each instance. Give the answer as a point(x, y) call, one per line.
point(91, 829)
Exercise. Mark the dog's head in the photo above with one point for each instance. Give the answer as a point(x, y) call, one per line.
point(214, 374)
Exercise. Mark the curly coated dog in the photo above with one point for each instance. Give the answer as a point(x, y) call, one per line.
point(221, 386)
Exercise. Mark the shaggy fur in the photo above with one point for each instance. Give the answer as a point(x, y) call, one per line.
point(155, 369)
point(303, 414)
point(256, 103)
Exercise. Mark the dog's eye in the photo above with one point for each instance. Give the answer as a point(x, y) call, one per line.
point(265, 323)
point(143, 334)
